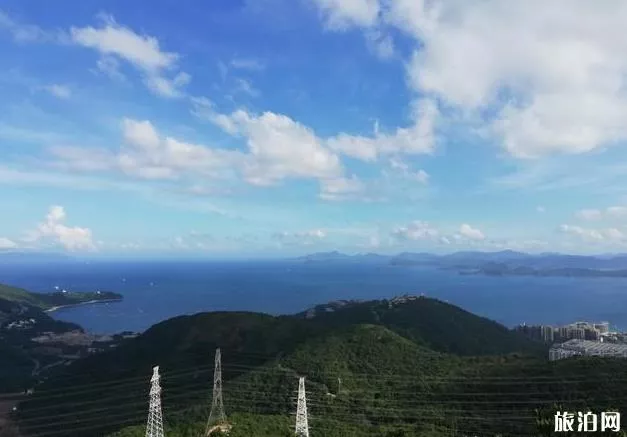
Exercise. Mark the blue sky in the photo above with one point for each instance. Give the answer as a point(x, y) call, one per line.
point(276, 127)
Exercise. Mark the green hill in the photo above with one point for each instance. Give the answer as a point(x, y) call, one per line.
point(366, 345)
point(430, 322)
point(18, 295)
point(406, 367)
point(45, 301)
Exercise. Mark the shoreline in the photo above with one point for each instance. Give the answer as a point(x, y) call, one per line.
point(91, 302)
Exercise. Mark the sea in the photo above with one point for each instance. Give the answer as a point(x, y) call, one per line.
point(158, 290)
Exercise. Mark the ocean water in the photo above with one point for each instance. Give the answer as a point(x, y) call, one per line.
point(155, 291)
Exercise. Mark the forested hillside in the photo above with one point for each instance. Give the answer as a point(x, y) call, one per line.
point(384, 368)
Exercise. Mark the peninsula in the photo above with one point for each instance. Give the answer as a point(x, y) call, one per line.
point(53, 301)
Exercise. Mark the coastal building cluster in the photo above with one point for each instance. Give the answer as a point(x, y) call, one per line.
point(579, 339)
point(578, 347)
point(574, 331)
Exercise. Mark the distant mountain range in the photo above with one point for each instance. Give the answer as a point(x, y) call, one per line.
point(506, 262)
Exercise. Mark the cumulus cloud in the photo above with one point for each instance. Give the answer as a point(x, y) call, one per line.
point(402, 168)
point(53, 229)
point(467, 231)
point(606, 235)
point(416, 230)
point(282, 147)
point(562, 90)
point(278, 146)
point(341, 188)
point(114, 41)
point(168, 87)
point(420, 230)
point(419, 138)
point(341, 14)
point(148, 155)
point(612, 212)
point(5, 243)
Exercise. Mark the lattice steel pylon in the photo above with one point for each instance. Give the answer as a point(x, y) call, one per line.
point(154, 428)
point(217, 417)
point(302, 426)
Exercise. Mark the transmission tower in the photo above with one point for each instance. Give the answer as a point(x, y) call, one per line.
point(217, 418)
point(302, 427)
point(154, 428)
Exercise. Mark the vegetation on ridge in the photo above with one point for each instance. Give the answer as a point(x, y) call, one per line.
point(383, 354)
point(45, 301)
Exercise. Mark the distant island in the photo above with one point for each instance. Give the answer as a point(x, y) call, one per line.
point(500, 263)
point(502, 269)
point(60, 299)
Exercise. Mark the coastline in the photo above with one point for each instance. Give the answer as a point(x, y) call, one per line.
point(91, 302)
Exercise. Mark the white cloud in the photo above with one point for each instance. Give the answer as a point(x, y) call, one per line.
point(606, 235)
point(23, 33)
point(420, 230)
point(60, 91)
point(399, 166)
point(114, 41)
point(341, 188)
point(141, 133)
point(278, 147)
point(246, 87)
point(416, 139)
point(82, 159)
point(471, 233)
point(417, 230)
point(612, 212)
point(540, 209)
point(314, 233)
point(340, 14)
point(524, 245)
point(110, 66)
point(54, 229)
point(5, 243)
point(170, 88)
point(146, 154)
point(561, 90)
